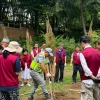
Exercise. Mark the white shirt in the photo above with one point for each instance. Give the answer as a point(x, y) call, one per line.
point(72, 56)
point(86, 69)
point(33, 53)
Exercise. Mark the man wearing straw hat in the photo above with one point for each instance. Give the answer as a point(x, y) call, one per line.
point(9, 72)
point(37, 67)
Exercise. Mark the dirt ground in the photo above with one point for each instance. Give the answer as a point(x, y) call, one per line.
point(72, 92)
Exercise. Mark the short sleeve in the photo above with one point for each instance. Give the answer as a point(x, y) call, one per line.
point(31, 52)
point(48, 61)
point(40, 59)
point(72, 55)
point(65, 53)
point(17, 65)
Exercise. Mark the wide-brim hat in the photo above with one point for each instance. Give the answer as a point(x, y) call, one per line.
point(13, 47)
point(49, 50)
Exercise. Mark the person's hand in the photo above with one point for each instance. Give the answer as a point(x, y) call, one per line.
point(48, 75)
point(98, 75)
point(21, 69)
point(71, 65)
point(65, 64)
point(54, 64)
point(96, 80)
point(92, 77)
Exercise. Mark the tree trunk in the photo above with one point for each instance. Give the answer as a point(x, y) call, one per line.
point(82, 17)
point(0, 10)
point(36, 21)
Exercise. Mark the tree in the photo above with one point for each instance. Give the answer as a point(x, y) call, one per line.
point(82, 17)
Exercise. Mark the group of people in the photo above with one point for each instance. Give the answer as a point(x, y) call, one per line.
point(33, 65)
point(14, 59)
point(87, 62)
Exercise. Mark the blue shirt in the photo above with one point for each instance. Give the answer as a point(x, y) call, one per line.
point(60, 52)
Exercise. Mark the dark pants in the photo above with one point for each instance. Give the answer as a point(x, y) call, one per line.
point(60, 67)
point(76, 68)
point(9, 95)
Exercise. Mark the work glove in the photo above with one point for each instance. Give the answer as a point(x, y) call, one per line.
point(96, 80)
point(48, 75)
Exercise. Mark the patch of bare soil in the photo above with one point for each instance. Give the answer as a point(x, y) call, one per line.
point(59, 96)
point(72, 93)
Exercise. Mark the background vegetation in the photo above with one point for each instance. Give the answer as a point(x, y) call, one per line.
point(69, 19)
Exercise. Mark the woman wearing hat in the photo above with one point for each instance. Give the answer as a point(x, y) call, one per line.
point(36, 50)
point(9, 70)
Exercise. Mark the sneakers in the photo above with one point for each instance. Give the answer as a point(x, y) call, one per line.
point(22, 85)
point(31, 98)
point(48, 97)
point(28, 84)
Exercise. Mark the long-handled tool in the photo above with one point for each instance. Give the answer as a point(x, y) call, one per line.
point(51, 82)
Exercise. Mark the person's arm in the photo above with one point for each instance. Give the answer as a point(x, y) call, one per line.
point(40, 59)
point(43, 68)
point(17, 67)
point(71, 60)
point(54, 59)
point(98, 75)
point(32, 54)
point(42, 65)
point(65, 58)
point(87, 71)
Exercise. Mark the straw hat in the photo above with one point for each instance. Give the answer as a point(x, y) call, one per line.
point(13, 47)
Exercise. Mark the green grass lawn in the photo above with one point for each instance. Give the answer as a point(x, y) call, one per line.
point(24, 91)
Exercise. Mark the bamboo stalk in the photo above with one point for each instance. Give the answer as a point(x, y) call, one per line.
point(28, 41)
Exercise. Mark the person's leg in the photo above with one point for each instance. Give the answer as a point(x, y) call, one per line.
point(35, 86)
point(4, 95)
point(22, 77)
point(39, 80)
point(44, 77)
point(14, 95)
point(56, 74)
point(42, 84)
point(74, 73)
point(61, 72)
point(86, 91)
point(28, 82)
point(22, 82)
point(80, 70)
point(96, 92)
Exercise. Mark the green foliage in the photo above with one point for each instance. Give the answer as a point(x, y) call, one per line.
point(39, 39)
point(95, 37)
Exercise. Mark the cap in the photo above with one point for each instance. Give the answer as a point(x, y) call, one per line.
point(6, 39)
point(49, 50)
